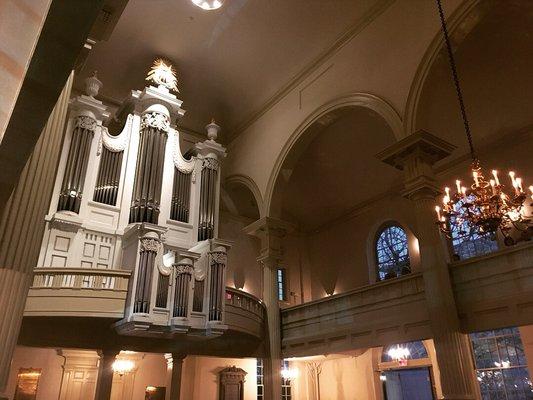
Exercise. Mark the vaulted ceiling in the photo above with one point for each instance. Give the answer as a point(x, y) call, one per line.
point(230, 62)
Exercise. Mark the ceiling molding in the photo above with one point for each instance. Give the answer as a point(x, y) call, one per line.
point(353, 31)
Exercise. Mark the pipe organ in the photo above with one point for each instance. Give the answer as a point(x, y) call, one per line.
point(133, 201)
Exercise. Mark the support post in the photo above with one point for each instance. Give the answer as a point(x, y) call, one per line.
point(20, 242)
point(271, 232)
point(104, 383)
point(416, 155)
point(175, 365)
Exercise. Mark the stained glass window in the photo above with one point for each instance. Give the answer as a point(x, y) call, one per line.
point(466, 242)
point(282, 285)
point(414, 351)
point(501, 365)
point(392, 253)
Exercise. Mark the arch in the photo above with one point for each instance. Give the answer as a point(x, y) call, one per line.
point(453, 22)
point(372, 237)
point(249, 183)
point(366, 100)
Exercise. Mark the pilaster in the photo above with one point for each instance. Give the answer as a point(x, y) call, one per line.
point(104, 382)
point(271, 232)
point(416, 156)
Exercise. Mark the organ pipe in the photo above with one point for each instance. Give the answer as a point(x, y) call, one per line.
point(181, 194)
point(216, 285)
point(162, 291)
point(149, 170)
point(181, 293)
point(76, 167)
point(198, 296)
point(107, 181)
point(208, 192)
point(147, 256)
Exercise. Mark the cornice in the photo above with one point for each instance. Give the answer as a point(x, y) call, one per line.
point(311, 67)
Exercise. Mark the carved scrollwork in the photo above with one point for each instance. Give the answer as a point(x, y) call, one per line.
point(85, 122)
point(210, 163)
point(155, 120)
point(150, 244)
point(184, 166)
point(219, 257)
point(112, 143)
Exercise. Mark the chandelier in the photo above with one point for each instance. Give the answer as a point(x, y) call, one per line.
point(485, 206)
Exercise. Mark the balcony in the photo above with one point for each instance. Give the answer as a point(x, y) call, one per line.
point(495, 290)
point(78, 307)
point(369, 316)
point(77, 292)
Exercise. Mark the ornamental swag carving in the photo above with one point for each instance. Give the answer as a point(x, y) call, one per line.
point(150, 244)
point(184, 269)
point(219, 257)
point(112, 143)
point(184, 166)
point(210, 163)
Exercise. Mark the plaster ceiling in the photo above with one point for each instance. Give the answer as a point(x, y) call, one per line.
point(230, 62)
point(489, 60)
point(332, 174)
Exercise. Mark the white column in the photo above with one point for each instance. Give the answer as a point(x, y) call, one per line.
point(21, 229)
point(271, 232)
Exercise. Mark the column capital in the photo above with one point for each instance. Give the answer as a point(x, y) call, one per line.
point(270, 231)
point(415, 155)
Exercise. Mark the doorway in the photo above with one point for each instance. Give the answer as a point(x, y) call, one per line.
point(408, 384)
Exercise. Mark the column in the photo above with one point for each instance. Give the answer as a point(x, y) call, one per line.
point(271, 232)
point(183, 271)
point(104, 383)
point(416, 155)
point(175, 367)
point(22, 226)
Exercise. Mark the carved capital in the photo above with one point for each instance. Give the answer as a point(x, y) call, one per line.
point(85, 122)
point(150, 244)
point(155, 120)
point(184, 269)
point(210, 163)
point(219, 257)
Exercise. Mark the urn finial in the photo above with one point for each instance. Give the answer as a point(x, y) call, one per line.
point(92, 85)
point(212, 130)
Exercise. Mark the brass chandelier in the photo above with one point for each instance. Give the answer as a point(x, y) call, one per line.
point(485, 206)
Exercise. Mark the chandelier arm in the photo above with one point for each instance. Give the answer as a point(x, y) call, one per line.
point(456, 82)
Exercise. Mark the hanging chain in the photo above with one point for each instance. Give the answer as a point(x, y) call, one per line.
point(456, 82)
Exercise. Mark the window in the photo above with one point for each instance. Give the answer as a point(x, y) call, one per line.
point(501, 366)
point(392, 253)
point(260, 380)
point(285, 382)
point(411, 350)
point(282, 286)
point(467, 243)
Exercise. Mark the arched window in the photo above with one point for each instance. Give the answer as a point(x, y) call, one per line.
point(392, 253)
point(468, 243)
point(406, 351)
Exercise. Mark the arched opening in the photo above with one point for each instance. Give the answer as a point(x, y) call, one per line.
point(239, 208)
point(333, 189)
point(392, 252)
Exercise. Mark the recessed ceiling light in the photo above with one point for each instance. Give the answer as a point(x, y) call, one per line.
point(208, 4)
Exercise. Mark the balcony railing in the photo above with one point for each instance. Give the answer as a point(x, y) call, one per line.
point(392, 310)
point(244, 312)
point(78, 292)
point(495, 290)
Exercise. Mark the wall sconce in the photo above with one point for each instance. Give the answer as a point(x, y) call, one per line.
point(123, 367)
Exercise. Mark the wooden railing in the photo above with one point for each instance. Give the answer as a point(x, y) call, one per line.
point(389, 311)
point(495, 290)
point(245, 312)
point(81, 278)
point(79, 292)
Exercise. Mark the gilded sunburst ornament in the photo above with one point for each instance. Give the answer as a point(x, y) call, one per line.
point(163, 74)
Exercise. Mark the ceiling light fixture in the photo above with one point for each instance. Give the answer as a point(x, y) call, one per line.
point(208, 5)
point(485, 207)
